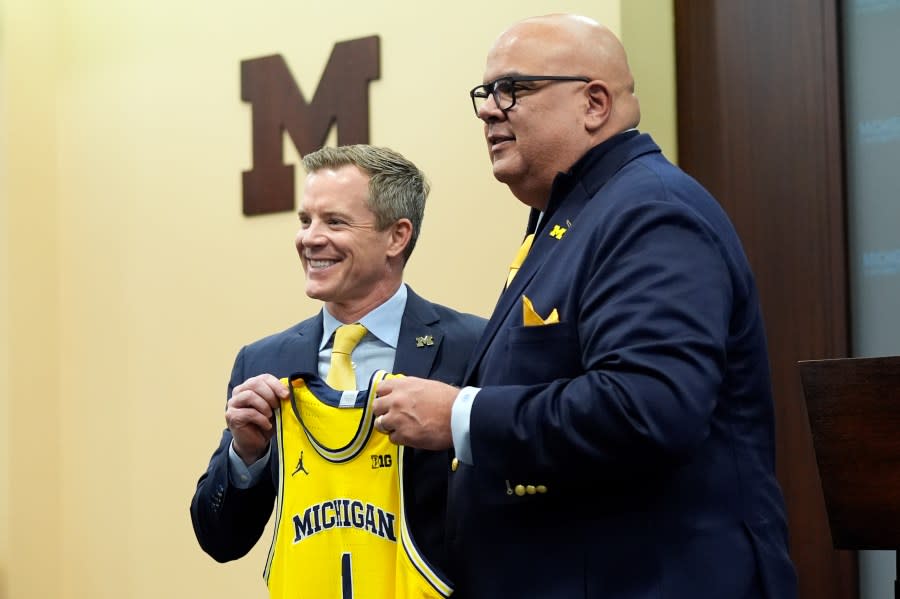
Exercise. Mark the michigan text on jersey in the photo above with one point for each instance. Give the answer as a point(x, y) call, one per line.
point(344, 513)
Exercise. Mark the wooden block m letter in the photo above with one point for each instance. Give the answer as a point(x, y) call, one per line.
point(278, 105)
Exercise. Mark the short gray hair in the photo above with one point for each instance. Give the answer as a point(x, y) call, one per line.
point(397, 188)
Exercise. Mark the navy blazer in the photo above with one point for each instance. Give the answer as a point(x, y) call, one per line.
point(626, 451)
point(229, 521)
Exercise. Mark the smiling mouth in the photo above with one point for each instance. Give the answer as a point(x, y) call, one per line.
point(320, 264)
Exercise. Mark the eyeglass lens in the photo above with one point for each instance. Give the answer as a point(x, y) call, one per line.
point(503, 92)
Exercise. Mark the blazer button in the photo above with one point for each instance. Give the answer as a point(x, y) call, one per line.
point(454, 464)
point(530, 489)
point(520, 490)
point(541, 489)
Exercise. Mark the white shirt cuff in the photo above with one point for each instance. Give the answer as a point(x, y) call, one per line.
point(459, 423)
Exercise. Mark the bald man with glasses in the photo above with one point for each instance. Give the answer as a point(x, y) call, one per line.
point(615, 433)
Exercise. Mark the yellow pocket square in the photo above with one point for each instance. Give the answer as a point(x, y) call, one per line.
point(530, 318)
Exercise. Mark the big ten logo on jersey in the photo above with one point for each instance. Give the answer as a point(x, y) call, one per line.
point(381, 460)
point(341, 99)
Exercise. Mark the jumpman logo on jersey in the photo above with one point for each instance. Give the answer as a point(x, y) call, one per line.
point(300, 467)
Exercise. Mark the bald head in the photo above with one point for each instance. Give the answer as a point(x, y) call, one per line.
point(576, 44)
point(555, 87)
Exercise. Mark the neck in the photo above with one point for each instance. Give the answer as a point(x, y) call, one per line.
point(353, 310)
point(533, 196)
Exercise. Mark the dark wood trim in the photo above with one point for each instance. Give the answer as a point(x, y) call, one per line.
point(759, 124)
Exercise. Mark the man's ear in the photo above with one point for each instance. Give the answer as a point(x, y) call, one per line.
point(599, 108)
point(401, 234)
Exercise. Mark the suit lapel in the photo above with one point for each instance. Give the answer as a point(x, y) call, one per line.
point(307, 339)
point(541, 252)
point(598, 170)
point(420, 337)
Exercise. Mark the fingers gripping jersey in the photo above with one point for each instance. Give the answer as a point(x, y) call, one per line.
point(340, 529)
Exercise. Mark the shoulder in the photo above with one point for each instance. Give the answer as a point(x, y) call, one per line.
point(281, 353)
point(449, 315)
point(648, 177)
point(462, 323)
point(647, 189)
point(305, 330)
point(451, 320)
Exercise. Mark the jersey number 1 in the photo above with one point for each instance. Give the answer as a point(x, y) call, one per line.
point(346, 577)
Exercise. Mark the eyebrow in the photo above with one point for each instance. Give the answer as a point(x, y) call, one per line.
point(504, 76)
point(331, 214)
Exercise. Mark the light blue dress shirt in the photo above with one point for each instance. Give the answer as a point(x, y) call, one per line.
point(459, 423)
point(375, 351)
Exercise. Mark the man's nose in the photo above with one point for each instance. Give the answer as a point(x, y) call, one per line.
point(312, 234)
point(489, 111)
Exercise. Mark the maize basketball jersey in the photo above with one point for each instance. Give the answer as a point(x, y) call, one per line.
point(340, 528)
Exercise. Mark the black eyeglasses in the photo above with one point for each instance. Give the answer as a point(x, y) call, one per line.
point(504, 89)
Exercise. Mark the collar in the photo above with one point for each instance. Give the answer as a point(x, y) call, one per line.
point(596, 154)
point(564, 182)
point(383, 321)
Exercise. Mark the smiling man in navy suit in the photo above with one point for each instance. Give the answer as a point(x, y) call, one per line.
point(360, 216)
point(615, 437)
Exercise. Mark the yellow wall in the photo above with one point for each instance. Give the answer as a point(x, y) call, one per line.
point(129, 277)
point(648, 34)
point(4, 328)
point(31, 385)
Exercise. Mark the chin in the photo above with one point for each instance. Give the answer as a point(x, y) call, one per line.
point(505, 176)
point(316, 292)
point(507, 170)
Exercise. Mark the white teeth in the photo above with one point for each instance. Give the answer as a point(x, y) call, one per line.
point(321, 263)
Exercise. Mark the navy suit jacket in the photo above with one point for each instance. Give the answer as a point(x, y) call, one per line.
point(626, 451)
point(229, 521)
